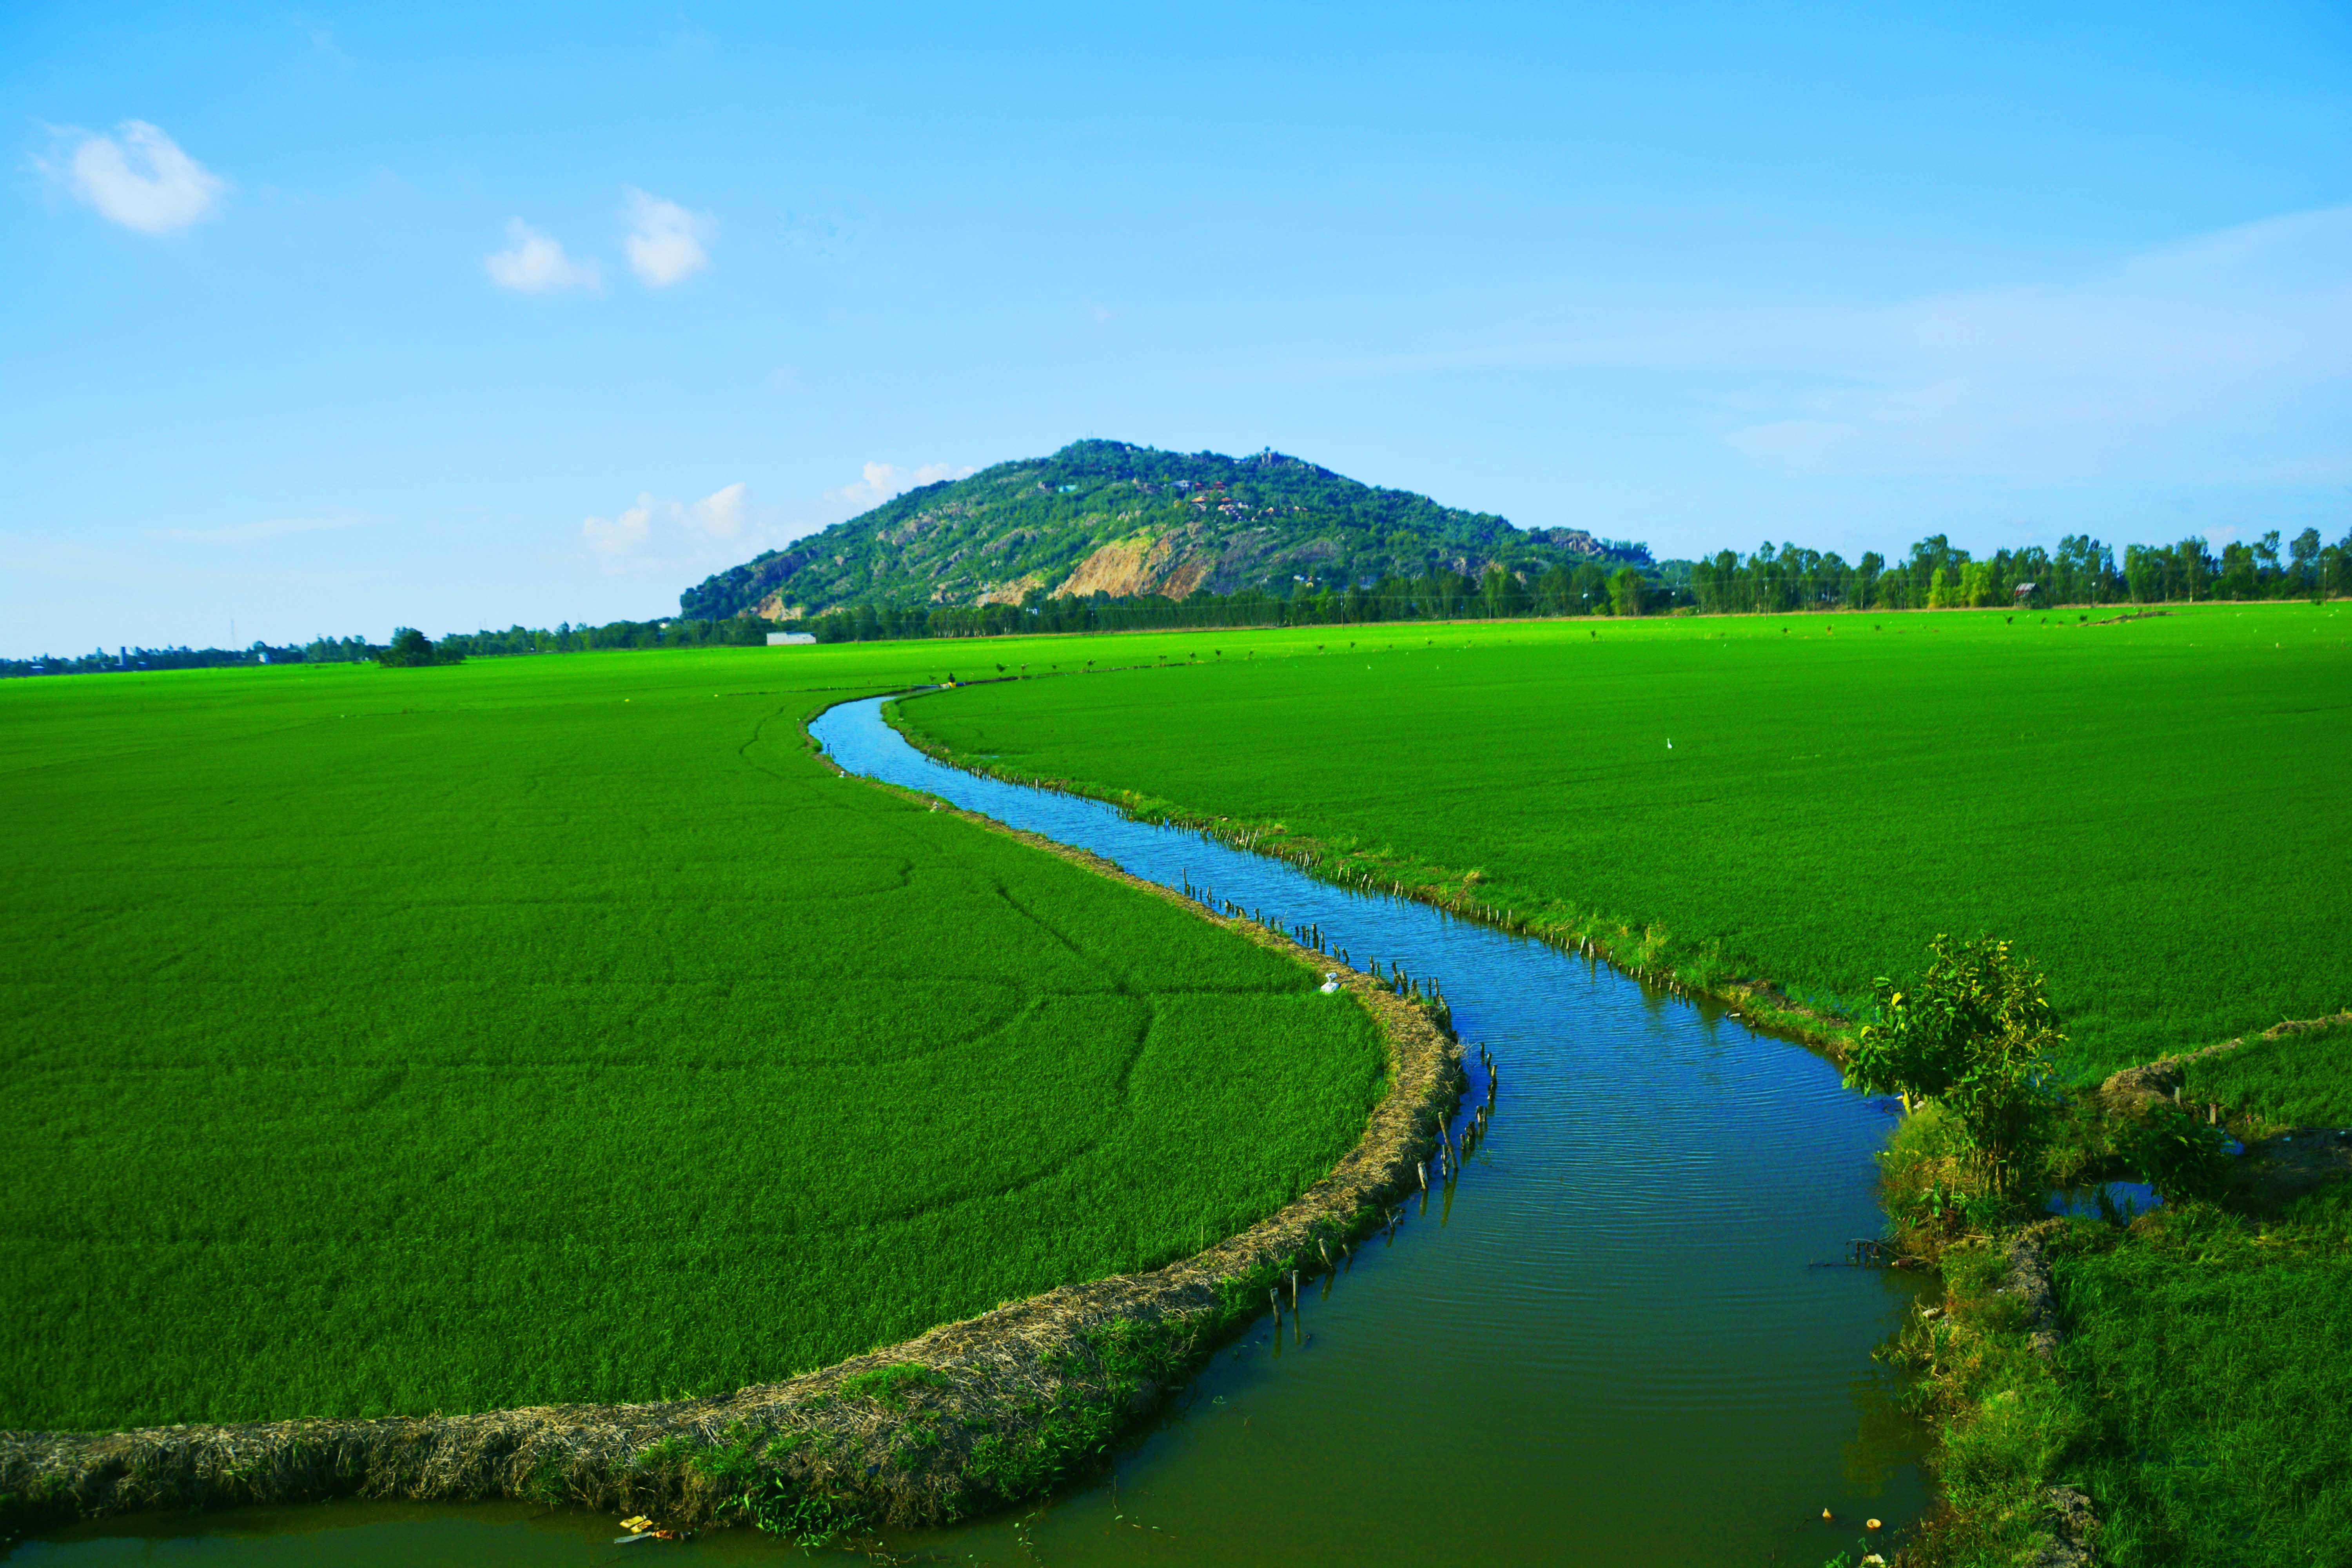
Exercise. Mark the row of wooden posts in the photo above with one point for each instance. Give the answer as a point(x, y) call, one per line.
point(1451, 1154)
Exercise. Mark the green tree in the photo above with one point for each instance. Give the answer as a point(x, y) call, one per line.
point(1972, 1034)
point(2196, 567)
point(2305, 554)
point(1865, 580)
point(1977, 584)
point(409, 649)
point(1625, 592)
point(1591, 588)
point(1506, 595)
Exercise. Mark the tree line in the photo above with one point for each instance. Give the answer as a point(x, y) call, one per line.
point(2080, 571)
point(1937, 574)
point(410, 646)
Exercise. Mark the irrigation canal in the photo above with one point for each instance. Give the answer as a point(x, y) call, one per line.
point(1622, 1335)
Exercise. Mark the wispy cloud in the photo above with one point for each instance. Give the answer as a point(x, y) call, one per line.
point(665, 243)
point(665, 535)
point(238, 534)
point(535, 264)
point(2228, 356)
point(722, 514)
point(321, 36)
point(622, 539)
point(139, 178)
point(726, 527)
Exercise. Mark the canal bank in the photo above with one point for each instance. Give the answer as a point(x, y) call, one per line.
point(1610, 1337)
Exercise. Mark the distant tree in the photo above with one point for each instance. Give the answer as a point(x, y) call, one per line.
point(2304, 553)
point(1865, 580)
point(1504, 594)
point(1591, 588)
point(1625, 592)
point(2240, 572)
point(1971, 1034)
point(2195, 563)
point(411, 648)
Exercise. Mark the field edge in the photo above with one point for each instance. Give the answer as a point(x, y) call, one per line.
point(965, 1417)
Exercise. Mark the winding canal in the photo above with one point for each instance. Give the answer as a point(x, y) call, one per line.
point(1623, 1335)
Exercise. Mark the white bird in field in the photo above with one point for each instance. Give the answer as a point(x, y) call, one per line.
point(1330, 981)
point(1670, 746)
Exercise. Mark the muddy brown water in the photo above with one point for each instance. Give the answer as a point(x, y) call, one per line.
point(1623, 1335)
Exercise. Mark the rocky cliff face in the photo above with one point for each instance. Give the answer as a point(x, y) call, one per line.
point(1106, 517)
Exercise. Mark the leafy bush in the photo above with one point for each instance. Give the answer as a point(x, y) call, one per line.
point(1970, 1034)
point(2180, 1156)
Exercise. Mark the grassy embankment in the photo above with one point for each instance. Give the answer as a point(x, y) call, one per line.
point(2202, 1398)
point(389, 1042)
point(2147, 808)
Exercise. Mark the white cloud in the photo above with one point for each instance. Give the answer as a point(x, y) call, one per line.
point(882, 481)
point(621, 539)
point(664, 535)
point(665, 241)
point(536, 264)
point(722, 514)
point(726, 527)
point(139, 178)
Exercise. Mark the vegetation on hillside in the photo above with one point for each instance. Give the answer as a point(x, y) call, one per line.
point(1106, 536)
point(1021, 533)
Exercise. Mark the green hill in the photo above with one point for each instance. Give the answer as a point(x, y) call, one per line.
point(1105, 515)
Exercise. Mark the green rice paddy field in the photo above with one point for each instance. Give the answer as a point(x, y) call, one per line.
point(2152, 808)
point(543, 1030)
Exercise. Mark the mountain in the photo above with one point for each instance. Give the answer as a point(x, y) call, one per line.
point(1105, 515)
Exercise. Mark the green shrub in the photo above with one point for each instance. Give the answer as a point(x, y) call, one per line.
point(2180, 1156)
point(1970, 1034)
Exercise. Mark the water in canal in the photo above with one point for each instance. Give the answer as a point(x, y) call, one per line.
point(1624, 1336)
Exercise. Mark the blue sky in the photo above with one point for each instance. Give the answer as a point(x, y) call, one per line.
point(323, 320)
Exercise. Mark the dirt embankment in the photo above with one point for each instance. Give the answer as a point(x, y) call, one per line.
point(968, 1417)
